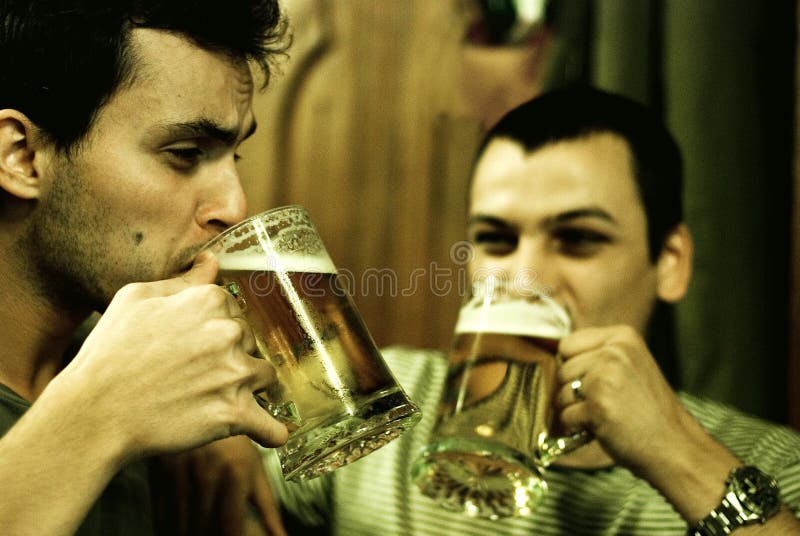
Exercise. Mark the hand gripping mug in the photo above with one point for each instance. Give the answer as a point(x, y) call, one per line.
point(496, 431)
point(334, 392)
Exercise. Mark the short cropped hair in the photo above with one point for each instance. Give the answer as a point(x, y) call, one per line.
point(62, 60)
point(576, 112)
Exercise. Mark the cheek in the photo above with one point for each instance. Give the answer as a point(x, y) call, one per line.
point(480, 263)
point(131, 180)
point(611, 297)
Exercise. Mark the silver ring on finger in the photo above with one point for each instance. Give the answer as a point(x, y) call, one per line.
point(577, 390)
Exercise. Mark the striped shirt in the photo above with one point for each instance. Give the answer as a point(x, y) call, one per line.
point(375, 495)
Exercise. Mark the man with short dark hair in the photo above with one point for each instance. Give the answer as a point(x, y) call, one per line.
point(583, 189)
point(119, 125)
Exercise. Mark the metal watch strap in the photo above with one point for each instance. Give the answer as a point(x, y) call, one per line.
point(751, 496)
point(722, 520)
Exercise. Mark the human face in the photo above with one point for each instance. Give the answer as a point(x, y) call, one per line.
point(569, 218)
point(154, 179)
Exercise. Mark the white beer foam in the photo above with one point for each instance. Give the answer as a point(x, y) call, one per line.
point(539, 317)
point(285, 262)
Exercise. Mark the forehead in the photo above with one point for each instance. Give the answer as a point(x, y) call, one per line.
point(174, 80)
point(161, 53)
point(591, 171)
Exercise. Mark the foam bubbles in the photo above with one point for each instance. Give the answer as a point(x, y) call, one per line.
point(542, 317)
point(248, 261)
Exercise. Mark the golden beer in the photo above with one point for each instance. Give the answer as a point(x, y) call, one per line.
point(333, 390)
point(496, 426)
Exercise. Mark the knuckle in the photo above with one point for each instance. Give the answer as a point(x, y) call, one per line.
point(131, 291)
point(600, 407)
point(603, 401)
point(630, 332)
point(562, 400)
point(216, 417)
point(565, 374)
point(236, 415)
point(569, 416)
point(627, 334)
point(211, 295)
point(226, 414)
point(606, 383)
point(228, 332)
point(616, 359)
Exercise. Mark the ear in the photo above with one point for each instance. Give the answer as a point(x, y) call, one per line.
point(18, 174)
point(674, 265)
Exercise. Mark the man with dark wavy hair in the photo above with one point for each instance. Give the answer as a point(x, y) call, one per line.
point(119, 126)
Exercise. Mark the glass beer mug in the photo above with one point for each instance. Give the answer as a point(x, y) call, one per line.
point(496, 430)
point(334, 391)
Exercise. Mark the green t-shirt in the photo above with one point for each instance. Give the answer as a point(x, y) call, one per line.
point(124, 508)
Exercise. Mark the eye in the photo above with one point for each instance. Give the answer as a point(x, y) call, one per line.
point(579, 242)
point(185, 157)
point(495, 242)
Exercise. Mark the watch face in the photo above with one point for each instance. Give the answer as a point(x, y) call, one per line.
point(756, 491)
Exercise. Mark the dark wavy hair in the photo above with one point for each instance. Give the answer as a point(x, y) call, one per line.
point(61, 60)
point(574, 112)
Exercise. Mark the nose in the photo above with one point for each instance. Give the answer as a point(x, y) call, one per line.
point(224, 202)
point(532, 268)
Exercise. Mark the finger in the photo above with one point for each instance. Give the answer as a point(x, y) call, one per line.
point(263, 374)
point(578, 366)
point(583, 340)
point(266, 505)
point(575, 417)
point(234, 302)
point(260, 426)
point(248, 340)
point(203, 272)
point(572, 392)
point(217, 299)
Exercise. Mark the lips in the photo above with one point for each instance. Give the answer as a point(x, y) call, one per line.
point(185, 266)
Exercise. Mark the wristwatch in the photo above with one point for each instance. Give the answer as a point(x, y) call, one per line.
point(751, 497)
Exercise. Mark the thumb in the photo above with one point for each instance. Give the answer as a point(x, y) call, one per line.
point(203, 272)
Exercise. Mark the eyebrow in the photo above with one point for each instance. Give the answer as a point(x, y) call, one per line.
point(585, 212)
point(488, 220)
point(206, 128)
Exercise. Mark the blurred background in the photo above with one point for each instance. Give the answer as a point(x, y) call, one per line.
point(373, 122)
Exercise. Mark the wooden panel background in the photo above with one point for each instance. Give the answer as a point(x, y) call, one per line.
point(359, 128)
point(372, 125)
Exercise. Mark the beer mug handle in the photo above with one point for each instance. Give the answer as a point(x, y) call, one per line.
point(234, 290)
point(286, 413)
point(551, 448)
